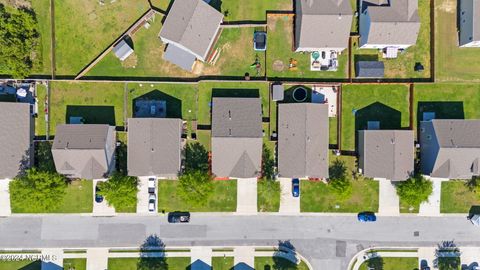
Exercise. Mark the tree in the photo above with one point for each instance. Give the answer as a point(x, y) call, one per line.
point(196, 158)
point(415, 190)
point(18, 41)
point(268, 163)
point(120, 191)
point(195, 188)
point(37, 191)
point(339, 181)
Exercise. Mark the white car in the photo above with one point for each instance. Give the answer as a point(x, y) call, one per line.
point(151, 203)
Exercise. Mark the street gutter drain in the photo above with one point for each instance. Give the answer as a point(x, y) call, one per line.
point(416, 233)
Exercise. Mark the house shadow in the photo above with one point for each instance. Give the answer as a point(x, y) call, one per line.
point(217, 4)
point(288, 95)
point(45, 266)
point(474, 210)
point(90, 114)
point(242, 266)
point(246, 93)
point(33, 266)
point(365, 57)
point(129, 41)
point(441, 109)
point(199, 265)
point(173, 105)
point(387, 117)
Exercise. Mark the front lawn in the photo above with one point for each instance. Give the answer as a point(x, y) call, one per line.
point(457, 198)
point(222, 263)
point(372, 102)
point(224, 198)
point(390, 264)
point(280, 51)
point(268, 196)
point(21, 265)
point(77, 264)
point(147, 263)
point(452, 63)
point(78, 199)
point(278, 263)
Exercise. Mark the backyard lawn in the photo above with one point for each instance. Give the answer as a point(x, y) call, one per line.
point(403, 66)
point(390, 264)
point(222, 263)
point(204, 137)
point(77, 264)
point(249, 10)
point(452, 63)
point(372, 102)
point(43, 64)
point(78, 199)
point(83, 29)
point(147, 263)
point(268, 196)
point(457, 198)
point(105, 103)
point(21, 265)
point(280, 51)
point(278, 263)
point(224, 198)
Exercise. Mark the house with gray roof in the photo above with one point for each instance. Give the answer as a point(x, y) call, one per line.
point(386, 154)
point(190, 30)
point(303, 140)
point(84, 151)
point(393, 23)
point(450, 148)
point(16, 138)
point(154, 147)
point(469, 23)
point(322, 24)
point(237, 137)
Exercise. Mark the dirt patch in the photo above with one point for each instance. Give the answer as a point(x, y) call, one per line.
point(278, 65)
point(131, 61)
point(271, 22)
point(18, 3)
point(448, 6)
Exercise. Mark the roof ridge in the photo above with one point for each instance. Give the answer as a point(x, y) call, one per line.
point(190, 20)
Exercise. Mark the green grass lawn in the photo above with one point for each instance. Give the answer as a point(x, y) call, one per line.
point(77, 264)
point(205, 138)
point(447, 100)
point(277, 264)
point(78, 199)
point(224, 198)
point(391, 264)
point(83, 29)
point(403, 66)
point(452, 63)
point(268, 196)
point(44, 63)
point(369, 102)
point(40, 126)
point(457, 198)
point(161, 4)
point(405, 208)
point(280, 31)
point(332, 128)
point(137, 263)
point(20, 265)
point(249, 10)
point(222, 263)
point(97, 103)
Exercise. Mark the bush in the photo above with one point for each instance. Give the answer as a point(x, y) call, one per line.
point(415, 190)
point(339, 181)
point(268, 163)
point(42, 191)
point(120, 191)
point(195, 187)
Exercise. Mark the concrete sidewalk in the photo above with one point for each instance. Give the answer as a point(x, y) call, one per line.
point(288, 203)
point(389, 202)
point(247, 195)
point(97, 258)
point(5, 209)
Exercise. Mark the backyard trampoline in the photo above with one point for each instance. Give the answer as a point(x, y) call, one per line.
point(300, 94)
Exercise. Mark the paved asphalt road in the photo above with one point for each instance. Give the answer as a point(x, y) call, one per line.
point(329, 242)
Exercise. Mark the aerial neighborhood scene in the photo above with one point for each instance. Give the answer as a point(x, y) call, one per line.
point(240, 134)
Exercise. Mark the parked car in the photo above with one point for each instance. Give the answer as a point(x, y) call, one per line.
point(295, 187)
point(367, 217)
point(151, 185)
point(260, 41)
point(151, 202)
point(178, 217)
point(98, 197)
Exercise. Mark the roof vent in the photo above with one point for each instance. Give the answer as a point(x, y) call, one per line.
point(229, 114)
point(340, 16)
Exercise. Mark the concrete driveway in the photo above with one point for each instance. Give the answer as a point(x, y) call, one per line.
point(432, 206)
point(101, 209)
point(389, 203)
point(247, 195)
point(288, 203)
point(142, 195)
point(4, 198)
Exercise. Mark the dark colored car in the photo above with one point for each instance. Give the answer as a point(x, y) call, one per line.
point(295, 187)
point(367, 217)
point(178, 217)
point(260, 41)
point(98, 197)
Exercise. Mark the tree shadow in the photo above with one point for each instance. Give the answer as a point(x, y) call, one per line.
point(142, 109)
point(149, 257)
point(196, 157)
point(91, 114)
point(43, 157)
point(284, 257)
point(441, 109)
point(338, 169)
point(447, 256)
point(121, 157)
point(375, 263)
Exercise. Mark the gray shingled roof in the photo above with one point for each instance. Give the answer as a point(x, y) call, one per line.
point(154, 146)
point(469, 14)
point(397, 23)
point(192, 24)
point(369, 69)
point(122, 50)
point(16, 135)
point(236, 137)
point(84, 151)
point(450, 148)
point(303, 140)
point(386, 153)
point(179, 57)
point(322, 24)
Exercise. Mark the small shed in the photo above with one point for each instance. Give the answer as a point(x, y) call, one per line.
point(369, 69)
point(122, 50)
point(277, 92)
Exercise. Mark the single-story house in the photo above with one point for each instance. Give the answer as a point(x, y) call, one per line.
point(469, 32)
point(386, 154)
point(122, 50)
point(154, 147)
point(322, 25)
point(384, 24)
point(16, 138)
point(236, 137)
point(369, 69)
point(303, 140)
point(190, 30)
point(450, 148)
point(84, 151)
